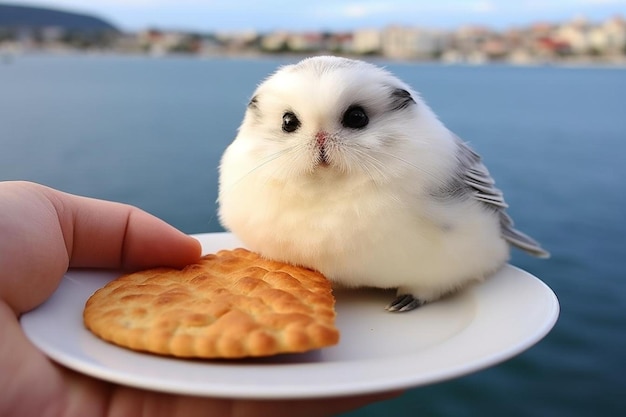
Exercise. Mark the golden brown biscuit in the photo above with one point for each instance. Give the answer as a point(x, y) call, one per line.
point(232, 304)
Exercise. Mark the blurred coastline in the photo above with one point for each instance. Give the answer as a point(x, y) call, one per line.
point(579, 41)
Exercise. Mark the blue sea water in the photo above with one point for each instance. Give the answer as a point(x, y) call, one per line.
point(150, 132)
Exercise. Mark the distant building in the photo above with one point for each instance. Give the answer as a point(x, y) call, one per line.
point(367, 41)
point(340, 43)
point(469, 39)
point(238, 41)
point(609, 37)
point(576, 35)
point(410, 42)
point(306, 42)
point(157, 42)
point(274, 42)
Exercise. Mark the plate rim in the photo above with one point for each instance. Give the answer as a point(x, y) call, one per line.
point(287, 391)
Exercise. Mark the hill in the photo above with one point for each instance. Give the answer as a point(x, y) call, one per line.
point(12, 16)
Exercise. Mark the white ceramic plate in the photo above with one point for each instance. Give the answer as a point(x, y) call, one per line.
point(378, 351)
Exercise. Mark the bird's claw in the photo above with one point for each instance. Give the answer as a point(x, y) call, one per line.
point(404, 302)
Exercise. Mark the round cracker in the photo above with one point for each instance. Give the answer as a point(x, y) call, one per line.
point(231, 304)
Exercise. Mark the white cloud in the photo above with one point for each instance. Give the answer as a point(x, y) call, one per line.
point(483, 6)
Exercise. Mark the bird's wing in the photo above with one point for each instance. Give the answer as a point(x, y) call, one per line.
point(482, 187)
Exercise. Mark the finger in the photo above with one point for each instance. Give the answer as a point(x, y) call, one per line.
point(113, 235)
point(44, 231)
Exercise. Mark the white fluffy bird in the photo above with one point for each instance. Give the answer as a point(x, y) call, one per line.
point(341, 167)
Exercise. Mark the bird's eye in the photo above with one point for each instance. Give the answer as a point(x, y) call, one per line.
point(355, 118)
point(290, 122)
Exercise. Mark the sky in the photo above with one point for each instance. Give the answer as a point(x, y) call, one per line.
point(331, 15)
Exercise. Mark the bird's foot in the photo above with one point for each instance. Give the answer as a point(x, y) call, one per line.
point(404, 302)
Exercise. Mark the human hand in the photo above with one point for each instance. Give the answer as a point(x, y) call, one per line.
point(42, 233)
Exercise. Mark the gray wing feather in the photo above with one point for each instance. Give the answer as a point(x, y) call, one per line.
point(482, 187)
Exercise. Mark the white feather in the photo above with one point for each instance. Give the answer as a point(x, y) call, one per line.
point(368, 217)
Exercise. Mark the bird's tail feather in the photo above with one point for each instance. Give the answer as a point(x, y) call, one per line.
point(524, 242)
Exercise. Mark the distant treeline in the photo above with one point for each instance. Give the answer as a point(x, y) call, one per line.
point(33, 18)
